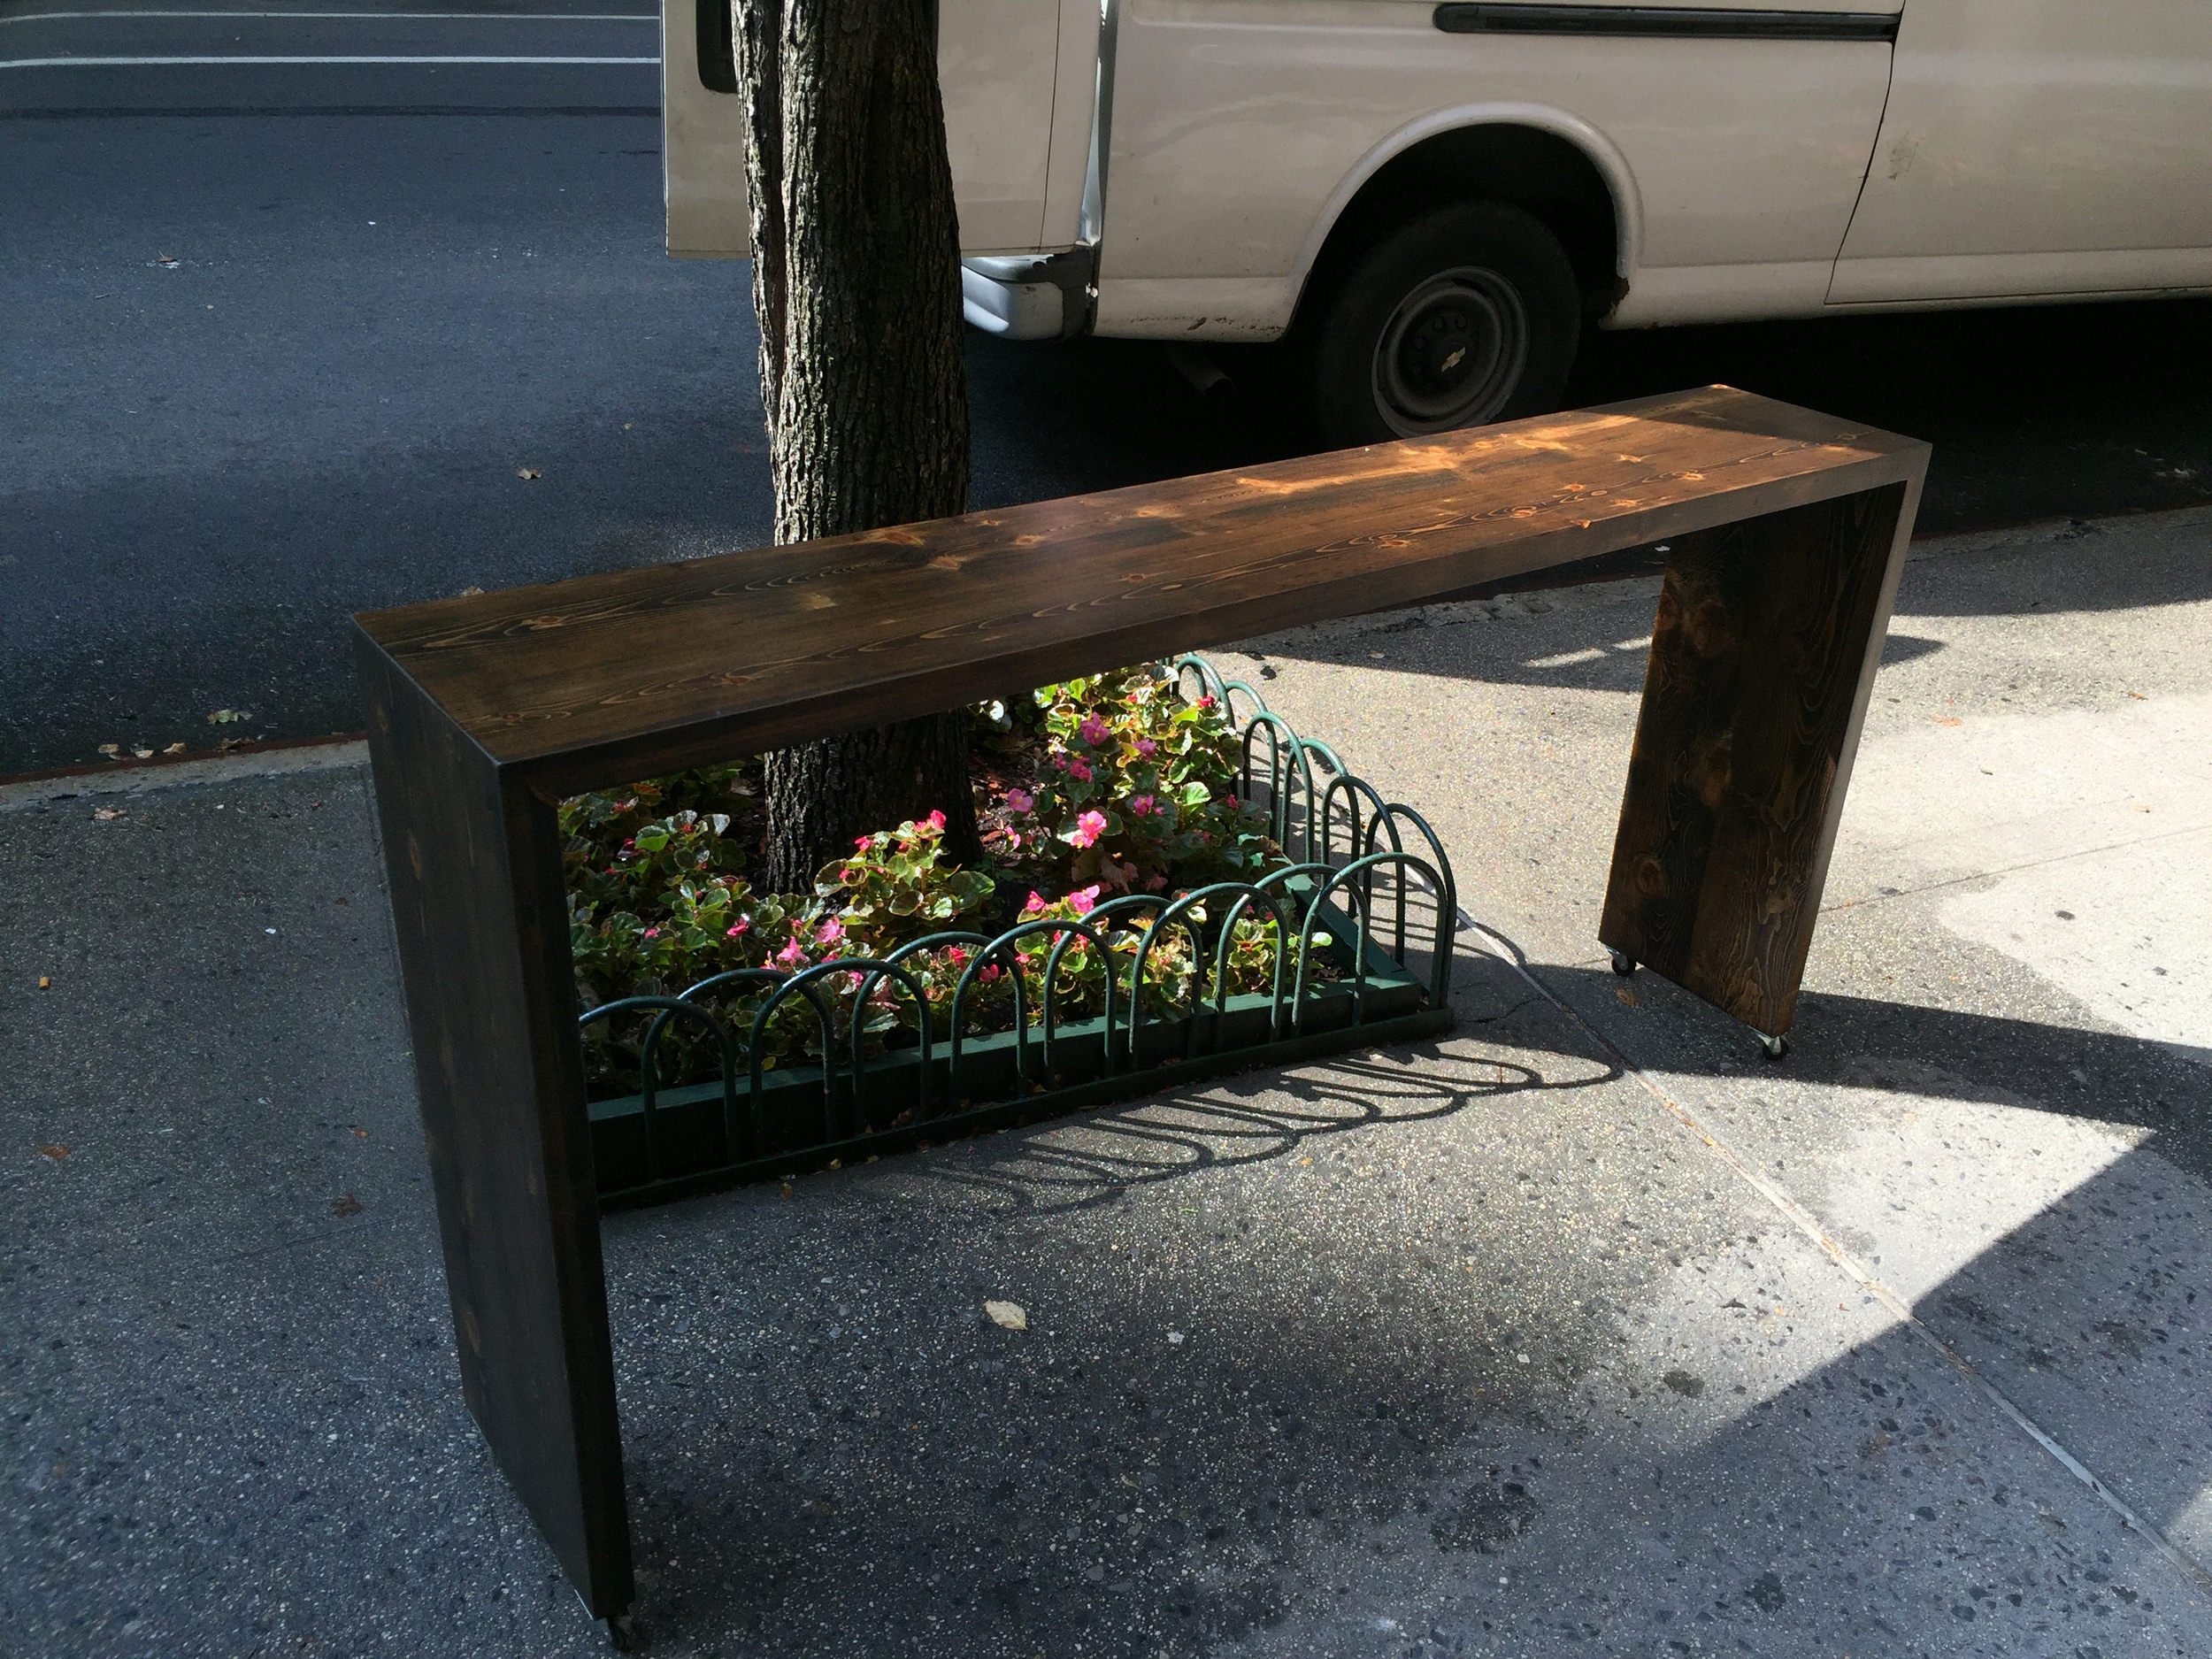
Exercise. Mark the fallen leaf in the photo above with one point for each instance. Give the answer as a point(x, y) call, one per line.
point(107, 814)
point(166, 261)
point(469, 591)
point(528, 472)
point(45, 982)
point(2139, 696)
point(174, 748)
point(230, 717)
point(1175, 1336)
point(1007, 1314)
point(1629, 997)
point(786, 1190)
point(143, 753)
point(53, 1154)
point(1948, 719)
point(346, 1204)
point(110, 750)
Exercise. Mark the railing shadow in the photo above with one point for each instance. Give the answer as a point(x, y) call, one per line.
point(1083, 1163)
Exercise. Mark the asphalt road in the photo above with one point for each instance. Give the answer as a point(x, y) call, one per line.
point(279, 336)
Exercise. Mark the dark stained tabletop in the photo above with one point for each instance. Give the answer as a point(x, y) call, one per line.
point(606, 677)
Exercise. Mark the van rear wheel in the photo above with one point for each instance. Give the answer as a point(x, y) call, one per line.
point(1469, 314)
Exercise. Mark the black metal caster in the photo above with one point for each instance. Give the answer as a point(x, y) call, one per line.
point(1623, 963)
point(1772, 1047)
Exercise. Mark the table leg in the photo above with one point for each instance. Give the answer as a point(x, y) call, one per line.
point(1762, 658)
point(478, 907)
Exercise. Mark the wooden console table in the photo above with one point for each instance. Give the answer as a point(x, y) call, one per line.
point(1787, 529)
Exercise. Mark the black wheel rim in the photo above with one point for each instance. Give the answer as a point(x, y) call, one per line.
point(1451, 352)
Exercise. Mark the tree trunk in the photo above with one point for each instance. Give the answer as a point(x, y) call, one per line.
point(863, 373)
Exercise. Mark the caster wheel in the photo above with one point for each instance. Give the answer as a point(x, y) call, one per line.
point(1623, 963)
point(1773, 1048)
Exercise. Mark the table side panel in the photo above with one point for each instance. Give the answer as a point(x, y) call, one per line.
point(474, 870)
point(1760, 659)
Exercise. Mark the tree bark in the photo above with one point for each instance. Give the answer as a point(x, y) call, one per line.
point(862, 372)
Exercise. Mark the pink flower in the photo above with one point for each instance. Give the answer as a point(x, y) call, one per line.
point(1079, 771)
point(1059, 760)
point(741, 926)
point(1153, 884)
point(1088, 828)
point(1143, 805)
point(937, 820)
point(1020, 801)
point(1081, 901)
point(1206, 701)
point(955, 955)
point(791, 954)
point(1146, 747)
point(990, 972)
point(864, 842)
point(1013, 839)
point(830, 932)
point(652, 932)
point(1093, 731)
point(1036, 902)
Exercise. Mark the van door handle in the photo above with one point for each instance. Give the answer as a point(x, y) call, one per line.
point(1656, 22)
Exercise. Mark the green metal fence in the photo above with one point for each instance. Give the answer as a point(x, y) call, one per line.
point(1370, 892)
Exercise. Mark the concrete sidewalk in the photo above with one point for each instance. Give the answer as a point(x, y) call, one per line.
point(1582, 1331)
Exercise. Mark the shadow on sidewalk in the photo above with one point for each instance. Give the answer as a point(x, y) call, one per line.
point(1408, 1406)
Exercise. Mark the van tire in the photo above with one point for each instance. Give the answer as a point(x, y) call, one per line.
point(1469, 314)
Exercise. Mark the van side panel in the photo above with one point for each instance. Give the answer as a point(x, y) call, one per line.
point(702, 149)
point(1235, 122)
point(997, 62)
point(2039, 147)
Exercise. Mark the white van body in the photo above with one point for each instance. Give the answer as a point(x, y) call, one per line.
point(1207, 169)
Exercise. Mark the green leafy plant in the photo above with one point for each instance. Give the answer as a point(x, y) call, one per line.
point(1103, 786)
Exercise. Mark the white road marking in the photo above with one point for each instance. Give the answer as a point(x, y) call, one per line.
point(142, 63)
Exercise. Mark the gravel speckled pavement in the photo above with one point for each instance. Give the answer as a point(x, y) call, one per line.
point(1580, 1331)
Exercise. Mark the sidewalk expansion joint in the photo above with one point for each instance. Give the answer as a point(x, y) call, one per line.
point(1808, 1223)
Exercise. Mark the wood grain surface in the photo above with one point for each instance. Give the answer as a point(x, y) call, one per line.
point(605, 679)
point(1760, 662)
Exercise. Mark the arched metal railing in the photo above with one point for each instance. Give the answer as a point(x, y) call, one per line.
point(1134, 993)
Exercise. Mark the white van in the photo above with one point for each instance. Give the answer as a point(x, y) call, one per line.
point(1430, 199)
